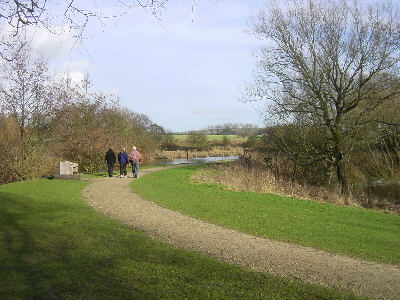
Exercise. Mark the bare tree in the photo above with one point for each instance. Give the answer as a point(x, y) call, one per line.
point(24, 91)
point(327, 63)
point(21, 13)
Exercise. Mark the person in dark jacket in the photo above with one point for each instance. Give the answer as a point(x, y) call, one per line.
point(111, 159)
point(123, 161)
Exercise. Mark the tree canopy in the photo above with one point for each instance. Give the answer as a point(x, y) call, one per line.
point(327, 64)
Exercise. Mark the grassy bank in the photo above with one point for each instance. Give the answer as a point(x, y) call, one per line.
point(54, 246)
point(352, 231)
point(257, 178)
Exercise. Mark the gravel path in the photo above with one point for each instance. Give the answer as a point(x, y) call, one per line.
point(113, 197)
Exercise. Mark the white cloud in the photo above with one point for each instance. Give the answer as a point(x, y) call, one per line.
point(111, 91)
point(76, 70)
point(76, 76)
point(83, 66)
point(53, 43)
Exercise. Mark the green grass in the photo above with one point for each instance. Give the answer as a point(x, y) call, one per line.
point(352, 231)
point(54, 246)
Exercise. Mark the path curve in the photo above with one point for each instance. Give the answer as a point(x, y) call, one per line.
point(114, 198)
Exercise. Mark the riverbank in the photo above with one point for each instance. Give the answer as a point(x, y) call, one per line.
point(254, 178)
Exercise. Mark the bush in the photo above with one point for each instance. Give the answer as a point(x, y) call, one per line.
point(169, 143)
point(197, 141)
point(225, 141)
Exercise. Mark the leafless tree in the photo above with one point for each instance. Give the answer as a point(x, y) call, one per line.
point(24, 91)
point(21, 13)
point(327, 63)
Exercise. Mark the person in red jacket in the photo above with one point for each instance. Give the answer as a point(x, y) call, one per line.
point(135, 158)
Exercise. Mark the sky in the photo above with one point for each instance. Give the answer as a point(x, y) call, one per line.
point(185, 70)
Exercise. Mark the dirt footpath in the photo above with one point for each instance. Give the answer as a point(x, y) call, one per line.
point(113, 197)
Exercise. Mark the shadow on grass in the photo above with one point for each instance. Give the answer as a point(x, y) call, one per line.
point(47, 256)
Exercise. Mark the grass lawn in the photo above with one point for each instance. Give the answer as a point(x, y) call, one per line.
point(54, 246)
point(352, 231)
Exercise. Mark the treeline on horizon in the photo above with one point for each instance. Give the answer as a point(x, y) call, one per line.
point(240, 129)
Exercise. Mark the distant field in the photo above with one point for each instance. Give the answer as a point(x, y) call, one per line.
point(211, 137)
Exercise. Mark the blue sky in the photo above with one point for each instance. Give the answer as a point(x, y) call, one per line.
point(184, 71)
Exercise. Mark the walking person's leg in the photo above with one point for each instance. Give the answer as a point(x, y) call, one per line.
point(135, 169)
point(110, 169)
point(124, 173)
point(121, 170)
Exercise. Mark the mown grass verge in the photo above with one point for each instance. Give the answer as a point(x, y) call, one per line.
point(352, 231)
point(54, 246)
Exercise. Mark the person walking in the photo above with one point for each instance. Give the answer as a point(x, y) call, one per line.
point(135, 158)
point(123, 160)
point(111, 159)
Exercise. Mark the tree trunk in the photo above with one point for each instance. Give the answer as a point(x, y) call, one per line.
point(339, 157)
point(22, 140)
point(341, 175)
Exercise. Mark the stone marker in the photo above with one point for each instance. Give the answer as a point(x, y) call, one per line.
point(68, 170)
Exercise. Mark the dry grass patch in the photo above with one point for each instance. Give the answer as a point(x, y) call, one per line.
point(239, 177)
